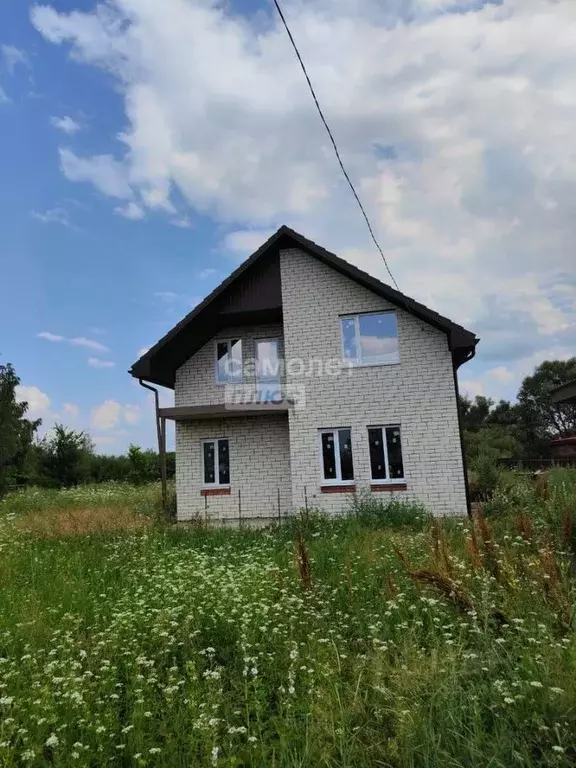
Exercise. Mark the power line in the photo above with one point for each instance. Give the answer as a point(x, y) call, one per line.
point(297, 52)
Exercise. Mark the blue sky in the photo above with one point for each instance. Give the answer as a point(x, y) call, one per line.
point(147, 147)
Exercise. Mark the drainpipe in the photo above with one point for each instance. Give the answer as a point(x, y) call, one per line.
point(161, 434)
point(461, 430)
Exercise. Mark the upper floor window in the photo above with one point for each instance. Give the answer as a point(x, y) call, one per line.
point(228, 361)
point(268, 369)
point(370, 339)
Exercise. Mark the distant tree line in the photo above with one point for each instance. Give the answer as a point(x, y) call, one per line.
point(524, 429)
point(65, 457)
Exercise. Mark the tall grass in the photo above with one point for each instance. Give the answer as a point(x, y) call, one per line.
point(374, 640)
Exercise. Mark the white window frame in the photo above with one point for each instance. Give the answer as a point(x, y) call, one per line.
point(228, 341)
point(338, 479)
point(389, 480)
point(356, 317)
point(216, 483)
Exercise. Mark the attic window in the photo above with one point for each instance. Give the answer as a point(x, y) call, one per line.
point(370, 339)
point(228, 361)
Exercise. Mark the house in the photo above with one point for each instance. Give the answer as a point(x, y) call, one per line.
point(300, 380)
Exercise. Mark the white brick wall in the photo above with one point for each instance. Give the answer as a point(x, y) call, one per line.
point(196, 379)
point(418, 393)
point(259, 466)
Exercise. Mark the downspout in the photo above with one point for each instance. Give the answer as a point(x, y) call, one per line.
point(161, 434)
point(461, 431)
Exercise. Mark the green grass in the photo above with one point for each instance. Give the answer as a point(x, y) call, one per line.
point(172, 647)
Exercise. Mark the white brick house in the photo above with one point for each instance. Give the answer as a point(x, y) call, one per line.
point(302, 379)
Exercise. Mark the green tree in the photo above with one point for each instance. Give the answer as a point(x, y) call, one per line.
point(64, 457)
point(16, 431)
point(543, 420)
point(144, 465)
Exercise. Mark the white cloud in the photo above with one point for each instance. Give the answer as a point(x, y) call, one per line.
point(132, 414)
point(66, 124)
point(168, 296)
point(53, 216)
point(204, 273)
point(142, 351)
point(13, 57)
point(4, 99)
point(95, 362)
point(107, 415)
point(110, 414)
point(501, 374)
point(130, 211)
point(454, 118)
point(38, 402)
point(50, 336)
point(78, 341)
point(71, 411)
point(106, 174)
point(246, 242)
point(181, 221)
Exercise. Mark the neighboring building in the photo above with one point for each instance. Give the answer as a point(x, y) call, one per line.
point(564, 450)
point(565, 395)
point(302, 379)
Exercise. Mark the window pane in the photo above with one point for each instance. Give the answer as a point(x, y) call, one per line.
point(222, 360)
point(349, 339)
point(268, 360)
point(345, 440)
point(268, 370)
point(394, 446)
point(328, 456)
point(378, 338)
point(209, 463)
point(377, 462)
point(235, 360)
point(223, 462)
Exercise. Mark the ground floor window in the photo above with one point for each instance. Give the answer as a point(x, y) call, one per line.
point(337, 464)
point(216, 458)
point(385, 445)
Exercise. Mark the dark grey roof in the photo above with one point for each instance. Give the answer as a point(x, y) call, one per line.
point(160, 363)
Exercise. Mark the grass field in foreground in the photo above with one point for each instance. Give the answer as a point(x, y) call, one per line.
point(379, 640)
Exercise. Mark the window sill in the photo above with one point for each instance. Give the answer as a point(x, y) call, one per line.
point(388, 486)
point(353, 366)
point(348, 488)
point(217, 491)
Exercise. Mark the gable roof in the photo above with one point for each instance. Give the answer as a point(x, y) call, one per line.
point(252, 294)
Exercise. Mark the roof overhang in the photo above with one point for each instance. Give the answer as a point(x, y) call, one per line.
point(565, 395)
point(252, 294)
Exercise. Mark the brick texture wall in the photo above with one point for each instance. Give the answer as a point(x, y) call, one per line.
point(196, 379)
point(418, 393)
point(259, 466)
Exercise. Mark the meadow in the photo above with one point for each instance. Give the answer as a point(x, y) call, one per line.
point(379, 639)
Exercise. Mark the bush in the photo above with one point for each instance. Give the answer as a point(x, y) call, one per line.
point(390, 513)
point(483, 477)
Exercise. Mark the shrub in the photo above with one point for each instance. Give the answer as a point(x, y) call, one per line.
point(390, 513)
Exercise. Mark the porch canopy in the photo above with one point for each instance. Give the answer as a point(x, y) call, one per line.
point(223, 410)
